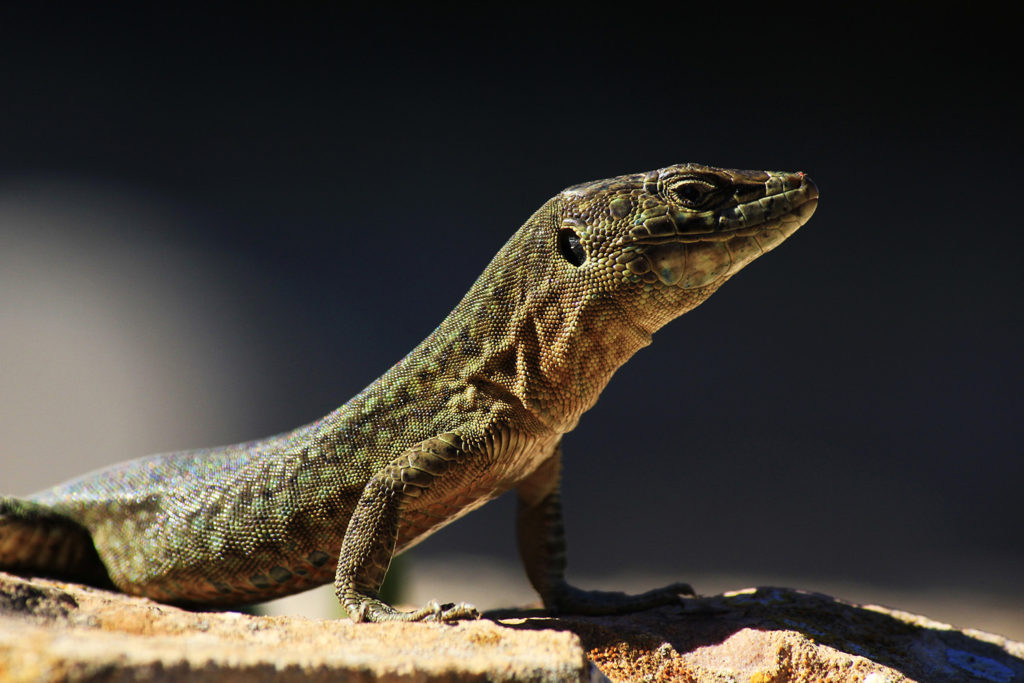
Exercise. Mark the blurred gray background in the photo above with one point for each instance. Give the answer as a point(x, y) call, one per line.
point(218, 226)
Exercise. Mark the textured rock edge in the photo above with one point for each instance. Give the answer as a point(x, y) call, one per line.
point(53, 631)
point(57, 631)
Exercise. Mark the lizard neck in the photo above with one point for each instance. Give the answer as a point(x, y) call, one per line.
point(526, 343)
point(566, 353)
point(522, 337)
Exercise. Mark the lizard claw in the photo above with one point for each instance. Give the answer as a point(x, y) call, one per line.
point(376, 611)
point(462, 610)
point(451, 611)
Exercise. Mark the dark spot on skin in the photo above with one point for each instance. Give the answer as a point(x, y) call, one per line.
point(221, 587)
point(318, 558)
point(260, 581)
point(280, 574)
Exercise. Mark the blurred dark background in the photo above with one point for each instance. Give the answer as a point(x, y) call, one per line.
point(241, 217)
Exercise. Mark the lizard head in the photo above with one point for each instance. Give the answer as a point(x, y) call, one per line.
point(661, 242)
point(588, 279)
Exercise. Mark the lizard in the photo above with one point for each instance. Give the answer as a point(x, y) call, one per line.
point(476, 409)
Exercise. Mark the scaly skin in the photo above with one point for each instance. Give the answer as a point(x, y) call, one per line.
point(476, 409)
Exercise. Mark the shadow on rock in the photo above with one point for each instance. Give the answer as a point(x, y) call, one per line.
point(782, 634)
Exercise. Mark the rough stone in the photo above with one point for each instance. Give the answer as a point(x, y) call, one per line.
point(776, 635)
point(53, 631)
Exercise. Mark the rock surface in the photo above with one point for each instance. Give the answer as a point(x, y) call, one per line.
point(53, 631)
point(776, 635)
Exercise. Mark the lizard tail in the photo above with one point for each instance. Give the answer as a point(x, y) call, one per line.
point(35, 540)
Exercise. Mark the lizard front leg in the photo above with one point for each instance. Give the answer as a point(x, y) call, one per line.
point(369, 541)
point(541, 540)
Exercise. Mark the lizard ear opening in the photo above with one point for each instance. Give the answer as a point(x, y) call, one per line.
point(570, 247)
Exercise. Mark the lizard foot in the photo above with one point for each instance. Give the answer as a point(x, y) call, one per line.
point(372, 610)
point(569, 600)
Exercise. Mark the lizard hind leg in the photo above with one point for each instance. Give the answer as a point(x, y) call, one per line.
point(542, 546)
point(36, 540)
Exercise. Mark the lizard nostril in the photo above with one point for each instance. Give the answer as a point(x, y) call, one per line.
point(810, 189)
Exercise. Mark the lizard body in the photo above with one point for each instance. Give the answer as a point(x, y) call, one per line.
point(478, 408)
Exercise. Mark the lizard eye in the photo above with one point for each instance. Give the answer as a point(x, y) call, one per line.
point(570, 247)
point(691, 192)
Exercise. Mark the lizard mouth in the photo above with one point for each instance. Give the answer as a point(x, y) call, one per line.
point(738, 235)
